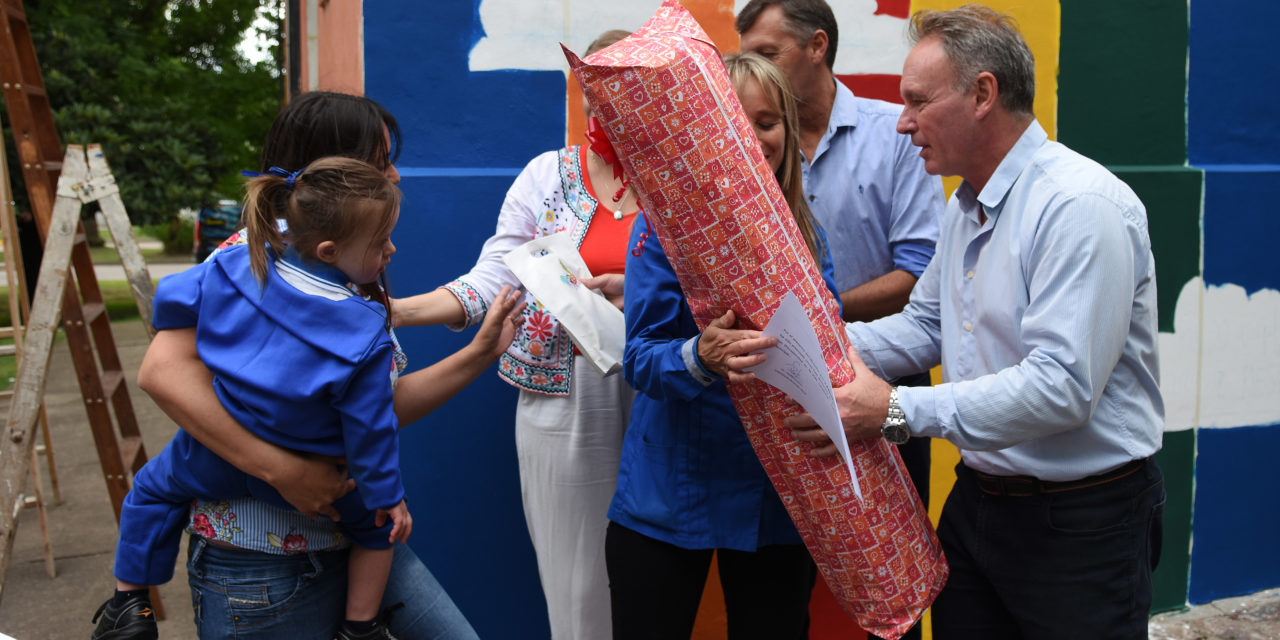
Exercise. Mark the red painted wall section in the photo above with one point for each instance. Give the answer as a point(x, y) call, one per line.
point(881, 86)
point(895, 8)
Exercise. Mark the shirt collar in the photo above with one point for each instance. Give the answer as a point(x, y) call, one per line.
point(844, 111)
point(1005, 175)
point(316, 268)
point(1015, 161)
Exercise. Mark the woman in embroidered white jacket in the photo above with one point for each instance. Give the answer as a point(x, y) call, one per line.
point(569, 419)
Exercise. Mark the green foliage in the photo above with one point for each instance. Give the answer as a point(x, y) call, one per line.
point(177, 235)
point(161, 85)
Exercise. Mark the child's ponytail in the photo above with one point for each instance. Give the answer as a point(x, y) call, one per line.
point(266, 199)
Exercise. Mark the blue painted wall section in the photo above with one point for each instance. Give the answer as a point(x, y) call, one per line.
point(1234, 136)
point(1241, 225)
point(1234, 551)
point(466, 136)
point(1232, 91)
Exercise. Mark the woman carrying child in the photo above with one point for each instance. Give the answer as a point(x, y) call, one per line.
point(256, 569)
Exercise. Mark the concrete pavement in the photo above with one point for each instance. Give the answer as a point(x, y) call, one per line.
point(83, 528)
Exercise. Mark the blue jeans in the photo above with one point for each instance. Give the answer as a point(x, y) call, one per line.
point(246, 594)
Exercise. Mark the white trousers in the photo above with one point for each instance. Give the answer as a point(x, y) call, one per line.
point(568, 448)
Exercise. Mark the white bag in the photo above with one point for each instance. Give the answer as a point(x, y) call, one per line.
point(551, 270)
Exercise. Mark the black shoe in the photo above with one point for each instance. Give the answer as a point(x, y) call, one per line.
point(133, 620)
point(380, 631)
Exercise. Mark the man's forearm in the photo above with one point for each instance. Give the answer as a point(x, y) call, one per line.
point(878, 298)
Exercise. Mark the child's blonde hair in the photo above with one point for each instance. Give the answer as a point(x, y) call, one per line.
point(331, 199)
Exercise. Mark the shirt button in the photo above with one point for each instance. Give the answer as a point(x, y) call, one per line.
point(968, 326)
point(969, 275)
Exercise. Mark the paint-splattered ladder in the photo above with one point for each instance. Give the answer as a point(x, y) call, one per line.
point(79, 180)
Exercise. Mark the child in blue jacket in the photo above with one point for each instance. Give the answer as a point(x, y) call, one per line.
point(296, 331)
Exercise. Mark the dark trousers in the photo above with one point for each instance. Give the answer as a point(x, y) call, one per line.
point(655, 588)
point(1072, 564)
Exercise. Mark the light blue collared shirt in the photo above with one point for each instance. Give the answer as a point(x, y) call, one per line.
point(868, 189)
point(1043, 318)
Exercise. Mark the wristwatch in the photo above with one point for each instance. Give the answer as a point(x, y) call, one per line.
point(895, 429)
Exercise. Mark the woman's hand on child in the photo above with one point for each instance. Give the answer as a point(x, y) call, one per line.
point(402, 522)
point(500, 323)
point(610, 284)
point(311, 483)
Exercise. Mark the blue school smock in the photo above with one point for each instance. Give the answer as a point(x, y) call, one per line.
point(304, 364)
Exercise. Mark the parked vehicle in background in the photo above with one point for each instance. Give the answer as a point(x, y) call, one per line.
point(213, 225)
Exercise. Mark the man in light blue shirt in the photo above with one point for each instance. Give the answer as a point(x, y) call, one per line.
point(1040, 305)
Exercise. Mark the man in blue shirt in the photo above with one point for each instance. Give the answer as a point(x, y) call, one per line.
point(1040, 306)
point(865, 182)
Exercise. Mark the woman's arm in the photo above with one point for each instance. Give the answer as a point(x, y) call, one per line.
point(431, 308)
point(173, 375)
point(423, 391)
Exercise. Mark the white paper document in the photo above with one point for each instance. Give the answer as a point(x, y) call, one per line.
point(796, 367)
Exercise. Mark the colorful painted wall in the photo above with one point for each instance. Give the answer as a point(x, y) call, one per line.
point(1177, 99)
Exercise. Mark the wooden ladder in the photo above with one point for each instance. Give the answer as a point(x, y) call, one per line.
point(58, 186)
point(19, 311)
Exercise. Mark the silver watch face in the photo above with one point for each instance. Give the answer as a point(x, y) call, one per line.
point(896, 433)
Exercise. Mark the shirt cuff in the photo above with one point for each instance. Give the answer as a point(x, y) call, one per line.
point(474, 306)
point(689, 352)
point(919, 405)
point(912, 257)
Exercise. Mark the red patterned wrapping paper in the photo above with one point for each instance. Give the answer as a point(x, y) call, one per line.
point(668, 106)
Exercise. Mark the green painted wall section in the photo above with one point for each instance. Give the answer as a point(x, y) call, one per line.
point(1122, 85)
point(1177, 460)
point(1173, 196)
point(1122, 82)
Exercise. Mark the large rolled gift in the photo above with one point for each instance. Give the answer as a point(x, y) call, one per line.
point(668, 106)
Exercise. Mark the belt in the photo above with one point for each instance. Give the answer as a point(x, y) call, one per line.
point(1026, 486)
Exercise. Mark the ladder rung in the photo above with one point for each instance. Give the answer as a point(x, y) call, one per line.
point(33, 90)
point(111, 382)
point(130, 450)
point(7, 393)
point(8, 349)
point(30, 501)
point(53, 165)
point(91, 311)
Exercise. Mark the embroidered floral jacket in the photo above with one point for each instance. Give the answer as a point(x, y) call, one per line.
point(549, 196)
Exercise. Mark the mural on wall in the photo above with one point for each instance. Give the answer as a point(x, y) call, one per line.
point(488, 91)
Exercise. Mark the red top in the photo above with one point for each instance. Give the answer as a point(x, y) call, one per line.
point(604, 247)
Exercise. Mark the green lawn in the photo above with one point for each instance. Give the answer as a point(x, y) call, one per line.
point(116, 296)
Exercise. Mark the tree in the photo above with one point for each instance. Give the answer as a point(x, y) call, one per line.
point(162, 86)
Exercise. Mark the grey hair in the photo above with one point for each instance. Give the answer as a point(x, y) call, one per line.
point(976, 39)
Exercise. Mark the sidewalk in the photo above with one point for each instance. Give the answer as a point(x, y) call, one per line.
point(1253, 617)
point(83, 527)
point(157, 267)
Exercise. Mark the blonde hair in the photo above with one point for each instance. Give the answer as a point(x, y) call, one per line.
point(749, 66)
point(331, 199)
point(606, 39)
